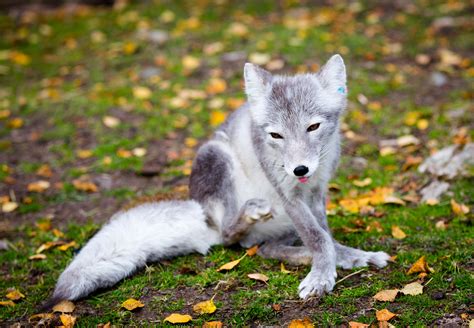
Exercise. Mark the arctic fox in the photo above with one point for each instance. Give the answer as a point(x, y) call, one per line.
point(261, 179)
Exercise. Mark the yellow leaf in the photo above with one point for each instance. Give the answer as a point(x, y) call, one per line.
point(393, 200)
point(9, 207)
point(283, 269)
point(7, 303)
point(65, 247)
point(252, 250)
point(301, 323)
point(178, 318)
point(212, 324)
point(432, 201)
point(398, 233)
point(422, 124)
point(20, 58)
point(231, 265)
point(362, 183)
point(110, 121)
point(123, 153)
point(67, 320)
point(5, 113)
point(85, 153)
point(217, 118)
point(216, 85)
point(37, 257)
point(459, 209)
point(349, 205)
point(58, 233)
point(420, 266)
point(44, 171)
point(141, 92)
point(130, 48)
point(190, 63)
point(38, 186)
point(441, 225)
point(238, 29)
point(407, 140)
point(48, 245)
point(355, 324)
point(259, 58)
point(139, 152)
point(190, 142)
point(132, 304)
point(41, 316)
point(205, 307)
point(384, 315)
point(258, 276)
point(15, 295)
point(414, 288)
point(83, 185)
point(15, 123)
point(387, 295)
point(64, 307)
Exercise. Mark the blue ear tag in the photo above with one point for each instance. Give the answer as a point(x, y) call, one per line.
point(341, 90)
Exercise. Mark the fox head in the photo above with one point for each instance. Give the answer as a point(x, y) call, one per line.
point(298, 116)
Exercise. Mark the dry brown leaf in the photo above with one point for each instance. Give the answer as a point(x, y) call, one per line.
point(37, 257)
point(355, 324)
point(15, 295)
point(213, 324)
point(38, 186)
point(49, 245)
point(258, 276)
point(67, 320)
point(103, 325)
point(44, 171)
point(131, 304)
point(398, 233)
point(420, 266)
point(230, 265)
point(384, 315)
point(178, 318)
point(7, 303)
point(216, 85)
point(252, 250)
point(83, 185)
point(41, 316)
point(387, 295)
point(394, 200)
point(44, 224)
point(458, 208)
point(301, 323)
point(205, 307)
point(8, 207)
point(414, 288)
point(64, 307)
point(65, 247)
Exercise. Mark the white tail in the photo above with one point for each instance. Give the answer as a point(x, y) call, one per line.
point(148, 232)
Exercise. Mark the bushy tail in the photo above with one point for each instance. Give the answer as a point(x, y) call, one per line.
point(149, 232)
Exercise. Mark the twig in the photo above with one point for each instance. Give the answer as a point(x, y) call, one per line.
point(350, 275)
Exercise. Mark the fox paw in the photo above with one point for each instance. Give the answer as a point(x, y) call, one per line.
point(362, 258)
point(257, 210)
point(317, 282)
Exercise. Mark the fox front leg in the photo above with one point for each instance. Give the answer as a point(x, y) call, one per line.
point(253, 211)
point(322, 276)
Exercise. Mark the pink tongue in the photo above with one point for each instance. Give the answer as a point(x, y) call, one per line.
point(303, 179)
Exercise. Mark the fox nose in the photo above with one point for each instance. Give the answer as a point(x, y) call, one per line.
point(300, 171)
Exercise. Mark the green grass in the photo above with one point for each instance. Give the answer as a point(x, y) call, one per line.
point(80, 73)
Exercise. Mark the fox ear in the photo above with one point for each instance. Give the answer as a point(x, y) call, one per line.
point(333, 74)
point(256, 81)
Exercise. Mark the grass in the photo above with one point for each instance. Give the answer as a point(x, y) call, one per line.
point(81, 68)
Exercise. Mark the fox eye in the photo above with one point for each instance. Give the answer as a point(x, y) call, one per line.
point(276, 135)
point(313, 127)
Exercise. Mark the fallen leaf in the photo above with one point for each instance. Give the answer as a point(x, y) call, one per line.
point(216, 85)
point(7, 303)
point(259, 58)
point(178, 318)
point(362, 183)
point(9, 207)
point(229, 265)
point(58, 233)
point(393, 200)
point(65, 247)
point(104, 325)
point(387, 295)
point(38, 186)
point(44, 171)
point(37, 257)
point(441, 225)
point(459, 209)
point(64, 307)
point(67, 320)
point(217, 117)
point(49, 245)
point(84, 153)
point(213, 324)
point(142, 93)
point(350, 205)
point(83, 185)
point(301, 323)
point(41, 316)
point(238, 29)
point(407, 140)
point(283, 269)
point(110, 121)
point(420, 266)
point(276, 307)
point(414, 288)
point(44, 224)
point(252, 250)
point(258, 276)
point(190, 63)
point(384, 315)
point(355, 324)
point(205, 307)
point(398, 233)
point(139, 152)
point(19, 58)
point(123, 153)
point(131, 304)
point(15, 295)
